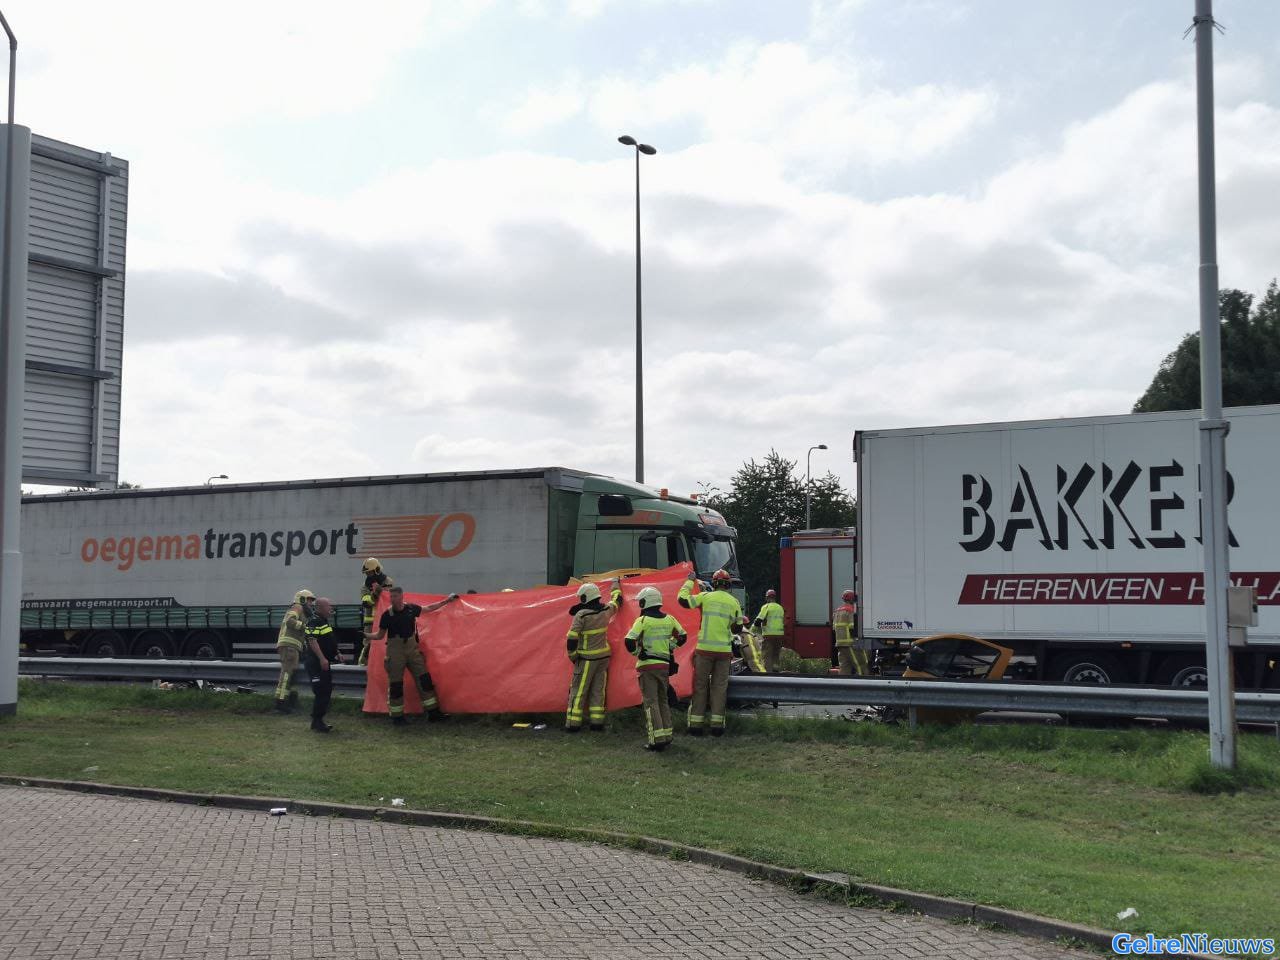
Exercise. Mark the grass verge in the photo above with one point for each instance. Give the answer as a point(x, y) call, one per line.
point(1067, 823)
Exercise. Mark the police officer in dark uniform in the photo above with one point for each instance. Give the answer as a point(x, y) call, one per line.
point(322, 652)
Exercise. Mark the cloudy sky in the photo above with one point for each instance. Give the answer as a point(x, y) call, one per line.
point(396, 237)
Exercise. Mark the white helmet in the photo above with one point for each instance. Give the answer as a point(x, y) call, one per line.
point(302, 596)
point(649, 597)
point(372, 565)
point(588, 592)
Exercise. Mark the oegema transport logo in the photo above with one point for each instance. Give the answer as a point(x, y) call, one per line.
point(420, 536)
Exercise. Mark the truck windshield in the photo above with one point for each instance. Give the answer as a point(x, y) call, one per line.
point(713, 556)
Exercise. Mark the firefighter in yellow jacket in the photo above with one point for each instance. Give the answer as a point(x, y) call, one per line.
point(653, 639)
point(375, 581)
point(845, 622)
point(721, 619)
point(771, 620)
point(289, 645)
point(588, 646)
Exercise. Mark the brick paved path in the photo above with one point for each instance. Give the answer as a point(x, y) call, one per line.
point(85, 876)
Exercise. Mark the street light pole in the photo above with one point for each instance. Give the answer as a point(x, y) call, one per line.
point(807, 486)
point(1213, 428)
point(220, 476)
point(648, 151)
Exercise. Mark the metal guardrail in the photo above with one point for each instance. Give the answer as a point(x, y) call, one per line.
point(1251, 707)
point(345, 677)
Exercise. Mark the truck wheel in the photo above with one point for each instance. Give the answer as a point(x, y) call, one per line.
point(1188, 673)
point(103, 644)
point(204, 645)
point(1085, 667)
point(153, 645)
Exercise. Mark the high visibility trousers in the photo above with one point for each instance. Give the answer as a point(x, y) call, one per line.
point(321, 688)
point(587, 693)
point(289, 657)
point(405, 654)
point(772, 654)
point(752, 654)
point(710, 691)
point(853, 661)
point(657, 711)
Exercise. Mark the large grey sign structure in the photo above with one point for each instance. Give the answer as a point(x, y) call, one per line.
point(75, 315)
point(61, 336)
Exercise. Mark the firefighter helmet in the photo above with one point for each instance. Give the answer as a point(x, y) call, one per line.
point(372, 565)
point(848, 596)
point(302, 596)
point(588, 592)
point(649, 597)
point(771, 594)
point(720, 578)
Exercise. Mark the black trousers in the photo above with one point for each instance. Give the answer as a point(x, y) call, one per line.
point(321, 688)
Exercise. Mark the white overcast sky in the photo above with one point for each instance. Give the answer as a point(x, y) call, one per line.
point(392, 237)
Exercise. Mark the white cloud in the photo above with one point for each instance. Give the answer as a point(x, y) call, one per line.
point(820, 113)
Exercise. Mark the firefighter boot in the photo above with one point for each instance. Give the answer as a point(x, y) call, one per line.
point(319, 726)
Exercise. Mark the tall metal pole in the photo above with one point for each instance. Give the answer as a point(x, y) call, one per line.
point(1213, 428)
point(639, 343)
point(13, 287)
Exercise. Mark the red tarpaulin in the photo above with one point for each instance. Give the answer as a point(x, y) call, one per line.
point(505, 652)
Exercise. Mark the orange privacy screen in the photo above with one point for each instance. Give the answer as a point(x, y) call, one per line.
point(505, 652)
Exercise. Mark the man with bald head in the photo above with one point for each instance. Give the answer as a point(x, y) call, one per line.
point(322, 653)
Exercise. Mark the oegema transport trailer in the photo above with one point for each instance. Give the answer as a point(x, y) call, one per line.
point(208, 572)
point(1075, 542)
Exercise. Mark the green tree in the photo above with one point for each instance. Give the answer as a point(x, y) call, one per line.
point(1250, 358)
point(765, 502)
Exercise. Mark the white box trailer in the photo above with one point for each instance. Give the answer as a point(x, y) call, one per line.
point(208, 571)
point(1075, 540)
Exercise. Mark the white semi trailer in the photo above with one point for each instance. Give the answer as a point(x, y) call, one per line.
point(208, 572)
point(1076, 542)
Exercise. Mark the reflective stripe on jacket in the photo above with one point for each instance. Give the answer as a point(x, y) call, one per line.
point(772, 615)
point(657, 638)
point(292, 629)
point(720, 610)
point(843, 621)
point(590, 628)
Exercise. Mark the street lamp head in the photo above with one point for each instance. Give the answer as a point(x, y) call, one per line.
point(629, 141)
point(647, 150)
point(822, 446)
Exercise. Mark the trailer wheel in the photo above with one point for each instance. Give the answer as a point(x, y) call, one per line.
point(104, 644)
point(1086, 667)
point(153, 644)
point(1187, 673)
point(204, 645)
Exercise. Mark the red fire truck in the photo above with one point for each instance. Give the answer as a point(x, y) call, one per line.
point(816, 567)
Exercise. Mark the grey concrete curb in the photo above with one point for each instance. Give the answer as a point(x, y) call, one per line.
point(945, 908)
